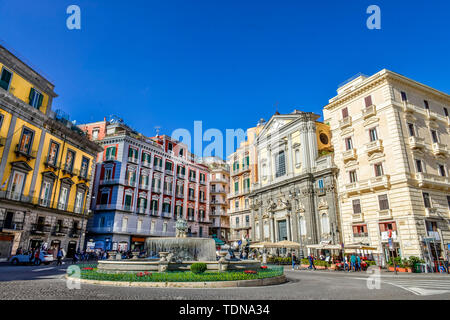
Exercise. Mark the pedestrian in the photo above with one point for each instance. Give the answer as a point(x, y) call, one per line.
point(36, 256)
point(358, 258)
point(293, 261)
point(75, 258)
point(59, 256)
point(346, 266)
point(311, 262)
point(353, 262)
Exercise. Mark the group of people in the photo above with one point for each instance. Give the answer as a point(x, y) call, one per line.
point(352, 263)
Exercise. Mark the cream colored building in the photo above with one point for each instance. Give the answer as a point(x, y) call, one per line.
point(219, 189)
point(391, 140)
point(243, 174)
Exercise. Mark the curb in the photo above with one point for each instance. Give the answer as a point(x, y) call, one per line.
point(207, 284)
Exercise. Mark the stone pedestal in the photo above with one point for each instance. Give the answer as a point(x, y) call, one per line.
point(112, 255)
point(135, 255)
point(223, 264)
point(163, 266)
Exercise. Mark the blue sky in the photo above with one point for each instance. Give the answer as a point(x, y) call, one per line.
point(227, 63)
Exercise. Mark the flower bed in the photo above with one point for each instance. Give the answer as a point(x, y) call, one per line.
point(181, 276)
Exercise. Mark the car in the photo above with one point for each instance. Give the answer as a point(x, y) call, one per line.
point(44, 257)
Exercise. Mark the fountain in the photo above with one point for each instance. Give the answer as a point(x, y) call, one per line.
point(176, 254)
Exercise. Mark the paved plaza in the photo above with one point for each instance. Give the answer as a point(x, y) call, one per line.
point(48, 282)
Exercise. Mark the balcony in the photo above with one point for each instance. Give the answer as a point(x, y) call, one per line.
point(75, 232)
point(433, 235)
point(431, 115)
point(82, 175)
point(133, 160)
point(180, 195)
point(180, 176)
point(203, 182)
point(439, 149)
point(202, 200)
point(40, 228)
point(320, 191)
point(156, 190)
point(158, 168)
point(218, 190)
point(143, 186)
point(141, 210)
point(218, 201)
point(384, 214)
point(385, 235)
point(408, 107)
point(358, 217)
point(192, 179)
point(191, 197)
point(110, 181)
point(130, 183)
point(166, 215)
point(432, 181)
point(368, 185)
point(51, 163)
point(154, 213)
point(190, 218)
point(345, 122)
point(221, 180)
point(59, 231)
point(168, 192)
point(68, 169)
point(369, 112)
point(431, 213)
point(146, 164)
point(374, 146)
point(416, 142)
point(110, 157)
point(349, 155)
point(169, 172)
point(11, 225)
point(15, 196)
point(244, 168)
point(29, 154)
point(360, 235)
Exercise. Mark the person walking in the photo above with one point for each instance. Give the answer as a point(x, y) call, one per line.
point(293, 261)
point(36, 256)
point(358, 261)
point(353, 262)
point(346, 265)
point(311, 262)
point(59, 257)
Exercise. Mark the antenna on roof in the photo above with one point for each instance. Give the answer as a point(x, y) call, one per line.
point(157, 130)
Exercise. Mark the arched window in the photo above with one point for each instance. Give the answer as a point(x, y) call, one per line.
point(302, 225)
point(325, 224)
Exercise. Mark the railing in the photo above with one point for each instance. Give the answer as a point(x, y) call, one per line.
point(191, 197)
point(431, 115)
point(40, 228)
point(52, 163)
point(166, 214)
point(146, 164)
point(169, 172)
point(369, 111)
point(190, 218)
point(144, 186)
point(158, 168)
point(434, 235)
point(15, 196)
point(156, 189)
point(218, 190)
point(416, 142)
point(373, 146)
point(345, 122)
point(29, 154)
point(192, 179)
point(439, 148)
point(57, 230)
point(83, 175)
point(219, 180)
point(140, 210)
point(75, 232)
point(180, 175)
point(431, 180)
point(110, 157)
point(168, 192)
point(349, 155)
point(360, 235)
point(431, 212)
point(67, 169)
point(380, 182)
point(131, 183)
point(154, 213)
point(133, 160)
point(11, 225)
point(180, 195)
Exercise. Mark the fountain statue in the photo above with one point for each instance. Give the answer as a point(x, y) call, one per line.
point(181, 228)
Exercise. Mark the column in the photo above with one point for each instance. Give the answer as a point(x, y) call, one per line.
point(272, 230)
point(288, 227)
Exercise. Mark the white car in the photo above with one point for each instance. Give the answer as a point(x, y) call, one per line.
point(44, 257)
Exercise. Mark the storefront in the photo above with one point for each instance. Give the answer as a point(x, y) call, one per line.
point(54, 247)
point(137, 243)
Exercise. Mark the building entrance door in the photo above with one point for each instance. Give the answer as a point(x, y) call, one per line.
point(282, 230)
point(71, 249)
point(35, 243)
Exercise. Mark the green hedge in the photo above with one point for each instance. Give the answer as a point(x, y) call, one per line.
point(180, 276)
point(198, 267)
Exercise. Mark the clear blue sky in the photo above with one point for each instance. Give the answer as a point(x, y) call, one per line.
point(168, 63)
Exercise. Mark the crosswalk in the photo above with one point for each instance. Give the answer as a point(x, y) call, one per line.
point(421, 287)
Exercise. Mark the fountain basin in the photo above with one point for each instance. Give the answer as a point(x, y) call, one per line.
point(183, 249)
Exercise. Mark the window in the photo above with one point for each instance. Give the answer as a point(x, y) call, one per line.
point(445, 111)
point(79, 201)
point(383, 202)
point(419, 165)
point(26, 141)
point(378, 169)
point(157, 162)
point(170, 147)
point(320, 184)
point(104, 197)
point(404, 98)
point(236, 204)
point(297, 157)
point(108, 174)
point(35, 98)
point(166, 207)
point(236, 186)
point(200, 231)
point(411, 130)
point(360, 231)
point(62, 204)
point(434, 136)
point(146, 158)
point(427, 106)
point(132, 154)
point(124, 224)
point(95, 133)
point(237, 221)
point(348, 144)
point(426, 200)
point(53, 153)
point(302, 225)
point(164, 227)
point(5, 79)
point(128, 198)
point(325, 223)
point(142, 204)
point(345, 113)
point(111, 153)
point(247, 184)
point(448, 202)
point(84, 167)
point(70, 158)
point(169, 165)
point(1, 120)
point(442, 170)
point(356, 206)
point(280, 164)
point(154, 205)
point(139, 225)
point(368, 101)
point(45, 194)
point(373, 134)
point(202, 177)
point(352, 176)
point(247, 220)
point(181, 152)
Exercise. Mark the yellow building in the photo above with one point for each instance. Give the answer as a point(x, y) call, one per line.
point(45, 168)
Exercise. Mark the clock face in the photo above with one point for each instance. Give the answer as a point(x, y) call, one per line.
point(323, 138)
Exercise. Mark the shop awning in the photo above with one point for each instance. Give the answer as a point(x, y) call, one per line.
point(265, 244)
point(324, 246)
point(288, 244)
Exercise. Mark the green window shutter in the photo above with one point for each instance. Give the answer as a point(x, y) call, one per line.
point(108, 152)
point(236, 186)
point(248, 161)
point(31, 95)
point(41, 97)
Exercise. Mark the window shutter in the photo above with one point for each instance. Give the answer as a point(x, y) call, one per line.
point(345, 112)
point(31, 96)
point(368, 101)
point(41, 97)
